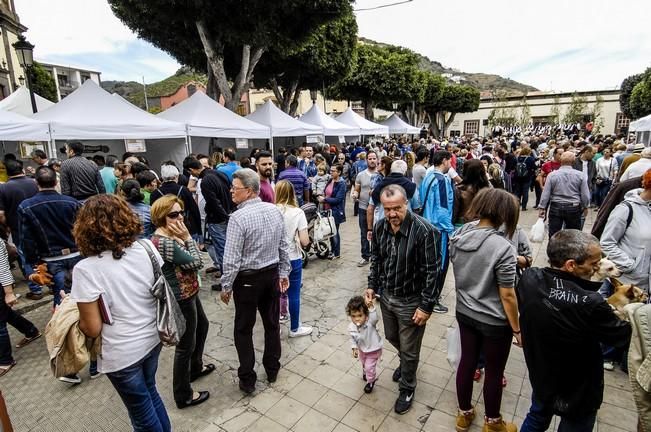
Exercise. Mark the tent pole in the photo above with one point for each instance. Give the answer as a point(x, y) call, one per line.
point(52, 142)
point(271, 142)
point(189, 145)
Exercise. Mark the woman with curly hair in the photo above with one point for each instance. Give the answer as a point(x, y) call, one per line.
point(117, 276)
point(182, 263)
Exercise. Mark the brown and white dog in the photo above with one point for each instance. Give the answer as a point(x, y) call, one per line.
point(607, 269)
point(623, 295)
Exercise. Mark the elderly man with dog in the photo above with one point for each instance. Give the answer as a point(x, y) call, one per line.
point(563, 321)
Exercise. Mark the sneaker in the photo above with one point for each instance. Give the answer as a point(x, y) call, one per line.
point(396, 374)
point(477, 375)
point(301, 331)
point(70, 379)
point(503, 381)
point(464, 419)
point(498, 425)
point(33, 296)
point(284, 318)
point(403, 403)
point(363, 262)
point(332, 257)
point(369, 387)
point(609, 365)
point(439, 308)
point(95, 375)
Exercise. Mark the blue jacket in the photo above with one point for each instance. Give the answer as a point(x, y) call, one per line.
point(308, 169)
point(438, 204)
point(337, 201)
point(45, 224)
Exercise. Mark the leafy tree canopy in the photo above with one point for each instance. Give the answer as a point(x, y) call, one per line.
point(640, 102)
point(43, 84)
point(625, 92)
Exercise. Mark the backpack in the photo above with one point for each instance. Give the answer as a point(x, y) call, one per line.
point(521, 168)
point(598, 229)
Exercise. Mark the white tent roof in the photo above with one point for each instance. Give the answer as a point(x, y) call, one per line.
point(641, 125)
point(331, 127)
point(351, 118)
point(398, 126)
point(207, 118)
point(281, 124)
point(14, 127)
point(92, 113)
point(19, 102)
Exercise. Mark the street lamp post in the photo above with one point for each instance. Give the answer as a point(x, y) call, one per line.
point(313, 95)
point(25, 53)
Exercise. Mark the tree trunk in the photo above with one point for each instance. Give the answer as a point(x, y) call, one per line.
point(294, 105)
point(435, 126)
point(368, 110)
point(215, 56)
point(212, 90)
point(448, 122)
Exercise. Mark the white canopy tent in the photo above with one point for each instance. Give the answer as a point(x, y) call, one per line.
point(351, 118)
point(14, 127)
point(91, 113)
point(642, 128)
point(397, 125)
point(331, 127)
point(281, 124)
point(19, 102)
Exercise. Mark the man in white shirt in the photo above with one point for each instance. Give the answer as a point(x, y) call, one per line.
point(638, 168)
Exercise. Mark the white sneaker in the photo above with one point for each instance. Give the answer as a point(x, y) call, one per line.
point(609, 366)
point(301, 331)
point(70, 379)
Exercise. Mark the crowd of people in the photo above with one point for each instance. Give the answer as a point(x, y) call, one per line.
point(96, 230)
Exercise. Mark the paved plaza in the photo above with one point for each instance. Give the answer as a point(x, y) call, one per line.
point(319, 387)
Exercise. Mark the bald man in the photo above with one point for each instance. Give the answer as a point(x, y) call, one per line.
point(567, 196)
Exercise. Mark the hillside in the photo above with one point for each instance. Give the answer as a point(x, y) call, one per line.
point(480, 81)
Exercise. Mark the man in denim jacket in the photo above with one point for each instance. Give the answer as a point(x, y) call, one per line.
point(45, 224)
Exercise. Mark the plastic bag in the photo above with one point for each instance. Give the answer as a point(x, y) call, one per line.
point(537, 233)
point(454, 346)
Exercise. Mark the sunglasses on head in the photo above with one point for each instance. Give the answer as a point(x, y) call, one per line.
point(174, 214)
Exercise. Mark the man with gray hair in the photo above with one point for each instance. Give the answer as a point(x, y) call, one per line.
point(405, 264)
point(637, 169)
point(563, 320)
point(256, 267)
point(374, 211)
point(567, 195)
point(170, 176)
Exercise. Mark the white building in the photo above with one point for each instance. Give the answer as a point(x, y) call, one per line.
point(69, 78)
point(542, 107)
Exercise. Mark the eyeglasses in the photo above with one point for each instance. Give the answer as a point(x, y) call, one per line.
point(175, 214)
point(233, 188)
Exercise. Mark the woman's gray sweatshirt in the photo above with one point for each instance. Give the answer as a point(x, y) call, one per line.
point(483, 261)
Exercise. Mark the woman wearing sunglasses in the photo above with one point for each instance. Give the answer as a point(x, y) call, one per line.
point(182, 263)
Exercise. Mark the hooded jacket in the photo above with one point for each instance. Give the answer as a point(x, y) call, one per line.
point(630, 248)
point(437, 200)
point(483, 261)
point(394, 178)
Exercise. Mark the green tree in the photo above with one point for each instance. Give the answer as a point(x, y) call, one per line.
point(381, 76)
point(640, 101)
point(525, 113)
point(577, 109)
point(502, 114)
point(42, 83)
point(597, 115)
point(325, 58)
point(625, 92)
point(227, 39)
point(455, 98)
point(556, 111)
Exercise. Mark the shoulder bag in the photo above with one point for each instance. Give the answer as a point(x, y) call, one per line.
point(169, 318)
point(324, 227)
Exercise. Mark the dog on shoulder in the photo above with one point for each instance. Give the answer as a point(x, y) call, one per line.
point(607, 269)
point(625, 294)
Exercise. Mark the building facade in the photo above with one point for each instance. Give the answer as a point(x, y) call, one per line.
point(69, 78)
point(545, 108)
point(11, 72)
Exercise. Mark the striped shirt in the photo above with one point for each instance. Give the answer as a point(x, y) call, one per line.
point(298, 179)
point(6, 277)
point(80, 178)
point(407, 263)
point(255, 239)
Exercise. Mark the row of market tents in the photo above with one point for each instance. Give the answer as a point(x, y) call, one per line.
point(97, 117)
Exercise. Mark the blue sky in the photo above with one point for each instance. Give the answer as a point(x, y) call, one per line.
point(554, 45)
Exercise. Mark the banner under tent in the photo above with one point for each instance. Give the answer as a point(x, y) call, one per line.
point(209, 125)
point(281, 124)
point(20, 102)
point(106, 124)
point(20, 135)
point(397, 126)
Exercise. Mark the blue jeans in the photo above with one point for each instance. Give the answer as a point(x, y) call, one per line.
point(335, 242)
point(136, 385)
point(294, 293)
point(217, 234)
point(27, 270)
point(521, 191)
point(9, 316)
point(58, 270)
point(363, 229)
point(540, 416)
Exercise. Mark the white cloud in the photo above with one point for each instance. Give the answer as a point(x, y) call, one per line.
point(59, 27)
point(522, 40)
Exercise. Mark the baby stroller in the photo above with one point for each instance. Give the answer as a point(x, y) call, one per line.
point(319, 248)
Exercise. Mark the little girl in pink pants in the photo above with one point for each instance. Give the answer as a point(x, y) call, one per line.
point(364, 337)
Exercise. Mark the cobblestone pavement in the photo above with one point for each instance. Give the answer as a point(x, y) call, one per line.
point(319, 387)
